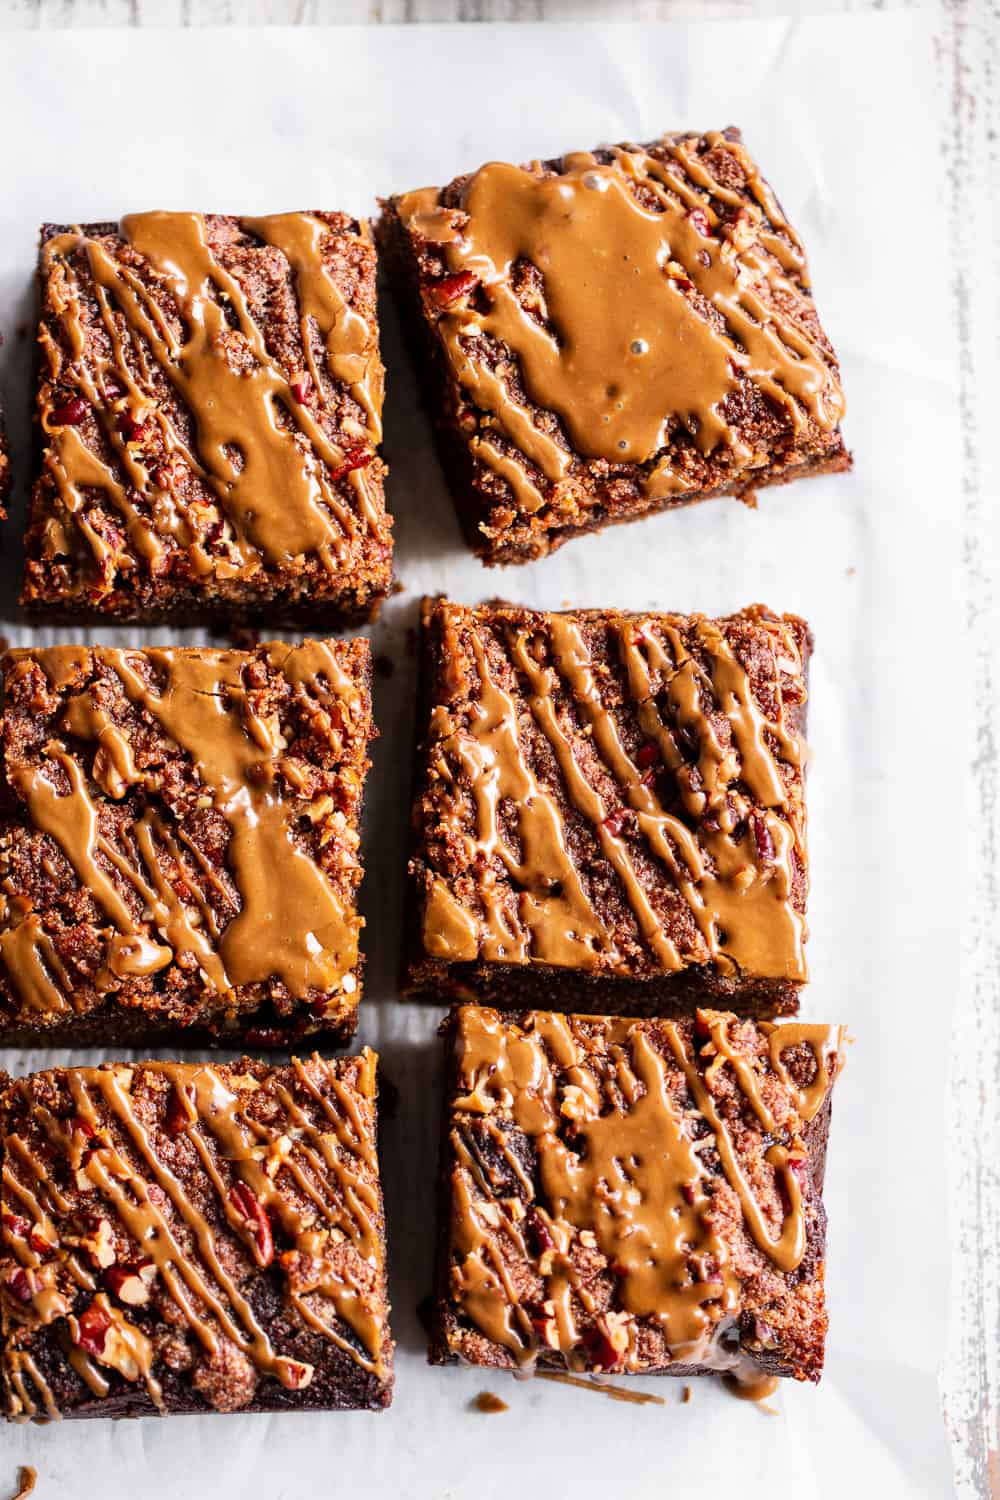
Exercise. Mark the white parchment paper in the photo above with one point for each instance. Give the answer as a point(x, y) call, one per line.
point(843, 115)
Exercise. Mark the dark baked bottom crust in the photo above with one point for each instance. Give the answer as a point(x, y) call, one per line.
point(111, 1026)
point(282, 609)
point(461, 477)
point(545, 987)
point(5, 473)
point(339, 1386)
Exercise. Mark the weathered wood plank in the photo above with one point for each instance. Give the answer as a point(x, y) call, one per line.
point(69, 13)
point(971, 1378)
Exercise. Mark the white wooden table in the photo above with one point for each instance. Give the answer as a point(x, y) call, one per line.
point(65, 13)
point(970, 483)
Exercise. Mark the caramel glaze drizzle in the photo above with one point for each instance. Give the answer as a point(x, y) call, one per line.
point(263, 453)
point(555, 917)
point(653, 309)
point(352, 355)
point(313, 1173)
point(737, 878)
point(293, 925)
point(632, 1179)
point(601, 1388)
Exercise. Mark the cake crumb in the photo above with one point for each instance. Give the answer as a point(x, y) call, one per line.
point(26, 1477)
point(486, 1401)
point(686, 1395)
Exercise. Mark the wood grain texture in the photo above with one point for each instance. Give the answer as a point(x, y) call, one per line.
point(66, 13)
point(971, 1377)
point(970, 66)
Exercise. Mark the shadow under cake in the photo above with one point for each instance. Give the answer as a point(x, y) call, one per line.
point(5, 472)
point(189, 1237)
point(634, 1196)
point(612, 333)
point(179, 843)
point(609, 810)
point(209, 409)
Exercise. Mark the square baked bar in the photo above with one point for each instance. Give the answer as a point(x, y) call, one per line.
point(641, 1197)
point(612, 333)
point(209, 406)
point(609, 809)
point(184, 1237)
point(179, 842)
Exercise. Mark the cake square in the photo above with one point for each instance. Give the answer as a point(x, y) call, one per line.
point(209, 406)
point(192, 1237)
point(179, 842)
point(635, 1196)
point(609, 811)
point(610, 334)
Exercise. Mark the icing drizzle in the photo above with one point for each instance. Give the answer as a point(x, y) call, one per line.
point(198, 1174)
point(657, 758)
point(632, 1136)
point(635, 295)
point(295, 928)
point(207, 448)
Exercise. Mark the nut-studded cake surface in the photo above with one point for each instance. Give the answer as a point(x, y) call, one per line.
point(192, 1237)
point(614, 332)
point(179, 841)
point(609, 809)
point(210, 405)
point(635, 1195)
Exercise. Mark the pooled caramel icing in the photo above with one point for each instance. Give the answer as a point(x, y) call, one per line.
point(295, 927)
point(208, 1173)
point(26, 1478)
point(748, 1386)
point(658, 761)
point(486, 1401)
point(658, 293)
point(194, 432)
point(609, 1195)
